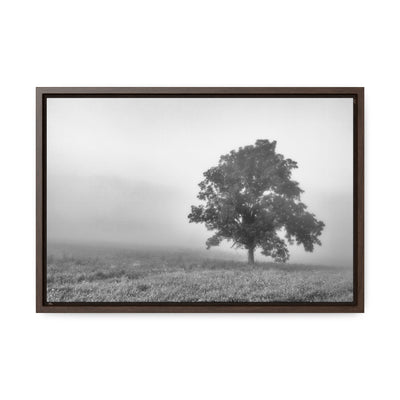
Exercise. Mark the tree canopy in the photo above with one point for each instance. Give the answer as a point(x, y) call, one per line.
point(250, 199)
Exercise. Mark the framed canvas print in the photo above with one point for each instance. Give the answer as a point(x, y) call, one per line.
point(200, 199)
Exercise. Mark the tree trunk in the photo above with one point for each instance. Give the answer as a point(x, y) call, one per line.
point(250, 256)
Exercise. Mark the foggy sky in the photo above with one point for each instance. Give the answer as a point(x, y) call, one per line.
point(126, 170)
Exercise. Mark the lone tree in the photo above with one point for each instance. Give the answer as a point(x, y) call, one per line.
point(250, 198)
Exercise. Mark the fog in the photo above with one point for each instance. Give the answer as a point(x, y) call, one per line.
point(125, 171)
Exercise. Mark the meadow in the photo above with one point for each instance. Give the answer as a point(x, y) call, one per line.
point(115, 275)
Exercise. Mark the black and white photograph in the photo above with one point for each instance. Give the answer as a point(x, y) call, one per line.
point(200, 199)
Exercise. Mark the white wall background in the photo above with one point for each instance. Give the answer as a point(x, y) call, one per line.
point(183, 43)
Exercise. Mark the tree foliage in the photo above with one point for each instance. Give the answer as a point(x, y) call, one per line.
point(251, 200)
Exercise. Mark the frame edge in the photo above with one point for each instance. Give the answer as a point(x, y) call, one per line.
point(39, 201)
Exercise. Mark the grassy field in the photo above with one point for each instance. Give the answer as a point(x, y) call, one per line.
point(128, 276)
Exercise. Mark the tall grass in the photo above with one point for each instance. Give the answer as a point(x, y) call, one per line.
point(153, 277)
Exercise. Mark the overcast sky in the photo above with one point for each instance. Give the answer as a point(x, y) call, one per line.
point(126, 170)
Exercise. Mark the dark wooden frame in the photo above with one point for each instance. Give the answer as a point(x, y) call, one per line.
point(357, 93)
